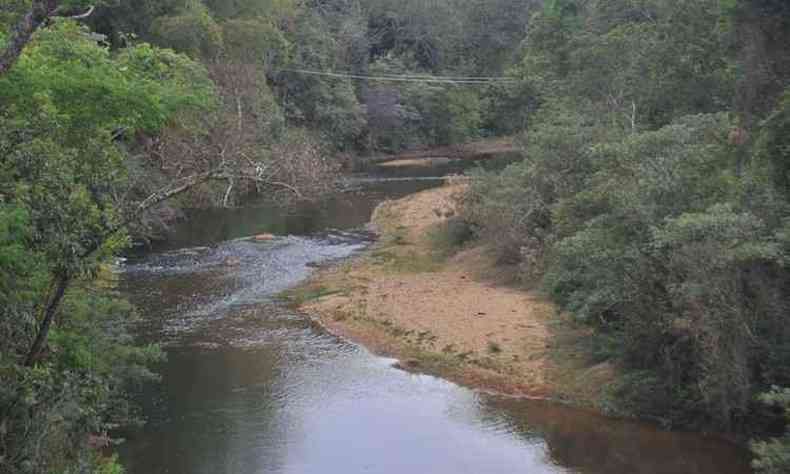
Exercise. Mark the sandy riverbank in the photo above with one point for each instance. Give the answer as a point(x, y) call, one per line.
point(457, 316)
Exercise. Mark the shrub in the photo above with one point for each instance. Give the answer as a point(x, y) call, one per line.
point(449, 235)
point(512, 209)
point(773, 456)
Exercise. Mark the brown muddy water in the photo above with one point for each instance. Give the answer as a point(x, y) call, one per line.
point(250, 386)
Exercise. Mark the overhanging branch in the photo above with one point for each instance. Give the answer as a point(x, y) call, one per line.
point(81, 16)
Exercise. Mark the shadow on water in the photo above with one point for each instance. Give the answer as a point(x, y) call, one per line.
point(251, 386)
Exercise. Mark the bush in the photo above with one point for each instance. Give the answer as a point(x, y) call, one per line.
point(644, 394)
point(512, 209)
point(449, 235)
point(51, 409)
point(773, 456)
point(192, 31)
point(648, 238)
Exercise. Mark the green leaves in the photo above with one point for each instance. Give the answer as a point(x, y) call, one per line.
point(643, 63)
point(773, 456)
point(192, 31)
point(21, 269)
point(720, 236)
point(256, 41)
point(91, 90)
point(649, 237)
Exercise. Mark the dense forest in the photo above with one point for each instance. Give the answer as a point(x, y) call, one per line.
point(651, 201)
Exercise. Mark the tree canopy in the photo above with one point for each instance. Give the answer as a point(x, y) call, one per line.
point(650, 198)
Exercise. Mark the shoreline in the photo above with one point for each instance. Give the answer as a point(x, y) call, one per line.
point(479, 149)
point(452, 313)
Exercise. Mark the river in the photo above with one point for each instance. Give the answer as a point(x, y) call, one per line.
point(251, 386)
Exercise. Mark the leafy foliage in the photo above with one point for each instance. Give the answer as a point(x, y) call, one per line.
point(645, 207)
point(773, 457)
point(652, 198)
point(67, 102)
point(192, 31)
point(142, 88)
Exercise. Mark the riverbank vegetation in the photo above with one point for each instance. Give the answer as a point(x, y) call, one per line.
point(651, 201)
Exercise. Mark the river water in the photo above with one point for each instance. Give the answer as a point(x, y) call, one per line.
point(251, 386)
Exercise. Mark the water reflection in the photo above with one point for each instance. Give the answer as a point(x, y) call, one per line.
point(589, 443)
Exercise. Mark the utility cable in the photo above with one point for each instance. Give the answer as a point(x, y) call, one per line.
point(408, 78)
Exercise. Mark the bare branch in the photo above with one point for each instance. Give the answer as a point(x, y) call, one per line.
point(226, 199)
point(169, 192)
point(288, 187)
point(81, 15)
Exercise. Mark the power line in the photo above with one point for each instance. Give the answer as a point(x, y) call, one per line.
point(459, 78)
point(409, 78)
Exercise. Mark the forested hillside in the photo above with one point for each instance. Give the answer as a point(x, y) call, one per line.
point(651, 202)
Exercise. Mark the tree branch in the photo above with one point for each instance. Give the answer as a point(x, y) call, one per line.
point(226, 200)
point(53, 303)
point(82, 16)
point(168, 192)
point(287, 186)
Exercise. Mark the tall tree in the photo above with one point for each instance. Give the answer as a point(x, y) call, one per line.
point(31, 20)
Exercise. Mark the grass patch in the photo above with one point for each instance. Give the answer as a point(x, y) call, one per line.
point(576, 361)
point(302, 295)
point(464, 355)
point(404, 261)
point(414, 262)
point(449, 236)
point(385, 325)
point(436, 363)
point(488, 363)
point(493, 347)
point(399, 236)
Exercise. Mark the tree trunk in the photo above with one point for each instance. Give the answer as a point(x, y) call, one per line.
point(62, 280)
point(23, 32)
point(61, 283)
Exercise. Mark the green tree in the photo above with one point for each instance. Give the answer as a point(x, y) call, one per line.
point(773, 457)
point(30, 18)
point(191, 30)
point(66, 356)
